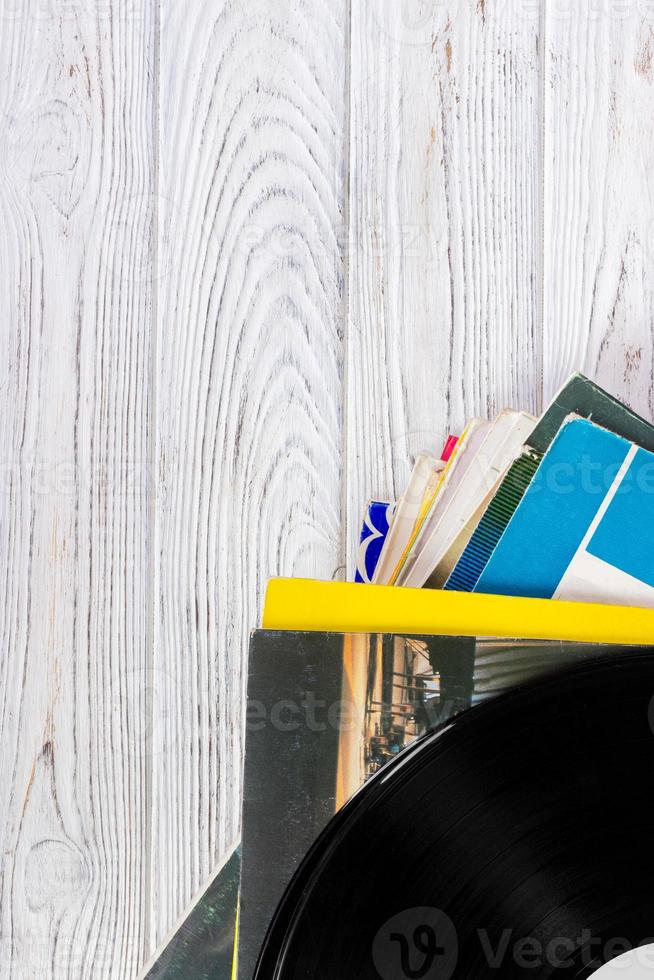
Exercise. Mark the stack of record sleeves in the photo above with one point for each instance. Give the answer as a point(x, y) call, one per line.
point(560, 507)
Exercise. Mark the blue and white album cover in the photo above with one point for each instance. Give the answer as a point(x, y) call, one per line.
point(376, 525)
point(584, 530)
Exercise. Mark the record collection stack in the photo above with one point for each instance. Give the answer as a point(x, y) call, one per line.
point(557, 508)
point(448, 760)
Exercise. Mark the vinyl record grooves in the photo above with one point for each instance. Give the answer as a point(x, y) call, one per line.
point(516, 842)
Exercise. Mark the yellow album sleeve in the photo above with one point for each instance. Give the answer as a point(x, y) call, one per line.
point(344, 607)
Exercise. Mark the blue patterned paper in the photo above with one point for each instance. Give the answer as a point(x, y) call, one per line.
point(376, 524)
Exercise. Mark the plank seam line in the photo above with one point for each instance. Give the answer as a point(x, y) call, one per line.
point(345, 530)
point(151, 482)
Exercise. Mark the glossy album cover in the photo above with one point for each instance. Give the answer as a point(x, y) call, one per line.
point(326, 711)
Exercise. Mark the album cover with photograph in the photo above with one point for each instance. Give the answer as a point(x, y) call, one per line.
point(326, 711)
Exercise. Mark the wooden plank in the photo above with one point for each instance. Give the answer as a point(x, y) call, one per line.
point(75, 314)
point(249, 444)
point(599, 179)
point(445, 229)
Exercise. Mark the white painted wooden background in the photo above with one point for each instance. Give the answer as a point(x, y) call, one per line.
point(254, 255)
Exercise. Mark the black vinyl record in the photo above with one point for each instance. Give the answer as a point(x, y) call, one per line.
point(517, 841)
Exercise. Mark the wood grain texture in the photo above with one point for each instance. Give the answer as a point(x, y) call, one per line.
point(445, 229)
point(253, 257)
point(249, 381)
point(75, 308)
point(599, 181)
